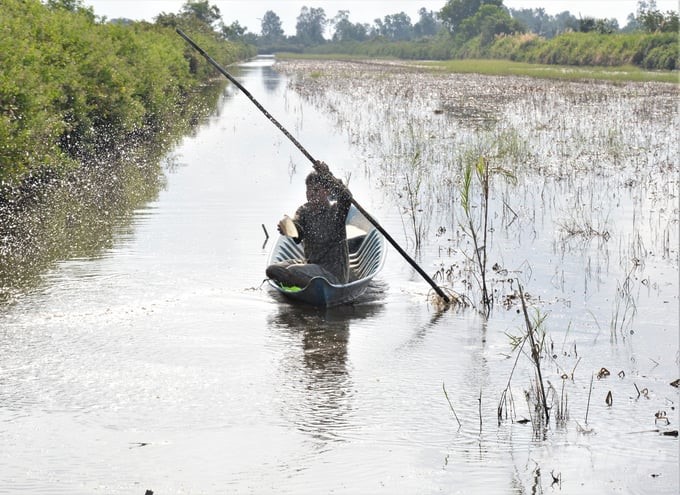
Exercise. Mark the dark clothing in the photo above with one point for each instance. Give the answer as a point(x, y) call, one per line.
point(321, 229)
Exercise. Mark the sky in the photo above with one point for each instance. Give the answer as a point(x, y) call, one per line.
point(249, 12)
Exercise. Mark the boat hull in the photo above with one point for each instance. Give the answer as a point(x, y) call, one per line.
point(367, 255)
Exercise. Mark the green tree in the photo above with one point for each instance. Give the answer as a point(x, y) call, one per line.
point(536, 20)
point(310, 26)
point(565, 21)
point(203, 11)
point(632, 24)
point(427, 25)
point(194, 16)
point(397, 27)
point(652, 20)
point(271, 27)
point(344, 30)
point(606, 26)
point(543, 24)
point(234, 31)
point(456, 11)
point(489, 22)
point(72, 6)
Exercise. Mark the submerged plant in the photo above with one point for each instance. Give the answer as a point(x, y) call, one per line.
point(562, 412)
point(535, 395)
point(625, 306)
point(536, 346)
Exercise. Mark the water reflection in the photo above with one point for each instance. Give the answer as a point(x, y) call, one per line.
point(270, 79)
point(83, 215)
point(261, 69)
point(315, 370)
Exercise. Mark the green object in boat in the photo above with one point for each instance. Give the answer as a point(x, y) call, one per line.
point(291, 288)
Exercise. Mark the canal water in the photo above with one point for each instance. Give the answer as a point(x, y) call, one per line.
point(163, 362)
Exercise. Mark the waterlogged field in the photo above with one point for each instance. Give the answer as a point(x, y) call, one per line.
point(140, 349)
point(565, 192)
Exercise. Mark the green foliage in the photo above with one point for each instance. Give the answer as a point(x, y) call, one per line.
point(650, 51)
point(488, 22)
point(71, 88)
point(271, 27)
point(202, 11)
point(310, 26)
point(543, 24)
point(655, 21)
point(345, 30)
point(395, 27)
point(427, 25)
point(455, 12)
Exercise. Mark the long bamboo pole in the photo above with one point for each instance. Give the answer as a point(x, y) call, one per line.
point(299, 146)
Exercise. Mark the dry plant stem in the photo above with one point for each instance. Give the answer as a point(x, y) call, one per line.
point(480, 411)
point(485, 186)
point(574, 368)
point(562, 413)
point(512, 372)
point(450, 405)
point(412, 193)
point(534, 351)
point(589, 393)
point(412, 210)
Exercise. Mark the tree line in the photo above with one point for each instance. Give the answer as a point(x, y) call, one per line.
point(464, 18)
point(480, 28)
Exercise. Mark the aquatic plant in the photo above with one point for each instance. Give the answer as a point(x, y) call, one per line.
point(536, 346)
point(625, 306)
point(413, 179)
point(535, 395)
point(562, 407)
point(476, 181)
point(477, 229)
point(450, 405)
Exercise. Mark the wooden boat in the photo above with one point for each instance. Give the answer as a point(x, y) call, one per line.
point(367, 251)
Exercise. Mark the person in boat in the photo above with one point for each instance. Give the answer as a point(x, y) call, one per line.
point(320, 225)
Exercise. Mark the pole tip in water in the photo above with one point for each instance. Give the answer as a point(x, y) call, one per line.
point(447, 299)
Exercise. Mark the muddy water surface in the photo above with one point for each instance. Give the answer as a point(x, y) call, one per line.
point(161, 362)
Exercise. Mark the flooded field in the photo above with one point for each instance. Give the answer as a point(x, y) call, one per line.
point(157, 359)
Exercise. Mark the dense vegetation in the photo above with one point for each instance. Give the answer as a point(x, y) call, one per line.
point(72, 87)
point(648, 51)
point(485, 29)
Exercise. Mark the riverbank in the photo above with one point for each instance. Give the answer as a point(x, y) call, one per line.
point(88, 110)
point(79, 214)
point(84, 88)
